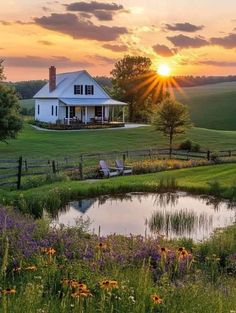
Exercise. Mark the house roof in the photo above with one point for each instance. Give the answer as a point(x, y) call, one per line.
point(63, 82)
point(91, 102)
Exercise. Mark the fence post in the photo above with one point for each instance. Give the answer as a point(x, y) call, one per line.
point(53, 167)
point(20, 161)
point(26, 166)
point(208, 155)
point(150, 153)
point(230, 153)
point(124, 158)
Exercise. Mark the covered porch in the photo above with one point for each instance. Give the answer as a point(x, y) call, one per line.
point(84, 113)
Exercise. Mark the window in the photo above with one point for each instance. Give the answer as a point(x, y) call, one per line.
point(52, 109)
point(38, 109)
point(56, 110)
point(89, 89)
point(98, 111)
point(78, 89)
point(72, 112)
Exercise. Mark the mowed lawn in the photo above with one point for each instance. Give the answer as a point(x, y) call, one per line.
point(32, 143)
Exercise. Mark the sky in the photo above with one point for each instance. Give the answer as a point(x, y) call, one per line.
point(196, 37)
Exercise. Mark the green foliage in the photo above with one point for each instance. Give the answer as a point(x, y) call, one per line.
point(129, 76)
point(172, 118)
point(10, 121)
point(190, 146)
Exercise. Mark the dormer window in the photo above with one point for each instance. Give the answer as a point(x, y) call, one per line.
point(78, 89)
point(89, 89)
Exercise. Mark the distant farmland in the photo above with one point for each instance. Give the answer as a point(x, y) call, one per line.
point(211, 106)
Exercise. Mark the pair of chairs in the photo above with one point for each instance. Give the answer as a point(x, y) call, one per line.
point(120, 169)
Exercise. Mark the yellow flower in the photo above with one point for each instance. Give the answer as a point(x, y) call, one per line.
point(8, 291)
point(102, 245)
point(156, 299)
point(31, 268)
point(16, 269)
point(109, 284)
point(183, 253)
point(49, 251)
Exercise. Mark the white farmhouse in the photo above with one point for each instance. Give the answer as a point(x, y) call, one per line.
point(75, 100)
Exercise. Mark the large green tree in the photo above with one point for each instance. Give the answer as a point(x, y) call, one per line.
point(131, 77)
point(172, 119)
point(10, 120)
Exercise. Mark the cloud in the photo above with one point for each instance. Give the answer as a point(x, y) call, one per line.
point(102, 60)
point(5, 23)
point(227, 42)
point(93, 6)
point(71, 25)
point(39, 62)
point(45, 9)
point(116, 48)
point(164, 51)
point(101, 10)
point(183, 27)
point(182, 41)
point(218, 63)
point(45, 42)
point(104, 15)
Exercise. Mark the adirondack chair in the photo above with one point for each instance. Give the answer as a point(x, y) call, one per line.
point(107, 171)
point(124, 170)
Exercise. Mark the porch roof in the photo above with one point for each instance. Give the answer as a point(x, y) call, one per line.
point(91, 102)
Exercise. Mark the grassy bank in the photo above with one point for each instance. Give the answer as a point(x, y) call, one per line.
point(218, 180)
point(32, 143)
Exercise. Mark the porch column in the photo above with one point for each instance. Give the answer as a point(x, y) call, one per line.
point(102, 113)
point(123, 114)
point(86, 115)
point(68, 116)
point(113, 113)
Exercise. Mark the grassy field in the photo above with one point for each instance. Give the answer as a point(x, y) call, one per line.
point(212, 106)
point(27, 103)
point(32, 143)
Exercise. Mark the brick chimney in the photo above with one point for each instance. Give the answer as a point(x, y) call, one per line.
point(52, 78)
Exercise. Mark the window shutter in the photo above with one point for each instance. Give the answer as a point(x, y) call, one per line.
point(92, 90)
point(82, 89)
point(74, 89)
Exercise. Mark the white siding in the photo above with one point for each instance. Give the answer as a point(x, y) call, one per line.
point(45, 110)
point(83, 79)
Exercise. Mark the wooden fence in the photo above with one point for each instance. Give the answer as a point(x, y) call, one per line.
point(14, 171)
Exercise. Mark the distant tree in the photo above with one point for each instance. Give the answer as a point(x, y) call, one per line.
point(171, 118)
point(129, 76)
point(1, 71)
point(10, 120)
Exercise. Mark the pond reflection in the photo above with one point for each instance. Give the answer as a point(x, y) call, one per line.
point(173, 215)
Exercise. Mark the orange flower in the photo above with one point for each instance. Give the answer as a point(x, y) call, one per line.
point(49, 251)
point(109, 284)
point(156, 299)
point(183, 253)
point(102, 245)
point(8, 291)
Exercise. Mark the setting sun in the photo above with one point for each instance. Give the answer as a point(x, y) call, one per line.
point(164, 70)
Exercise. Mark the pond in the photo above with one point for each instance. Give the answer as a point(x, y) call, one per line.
point(172, 215)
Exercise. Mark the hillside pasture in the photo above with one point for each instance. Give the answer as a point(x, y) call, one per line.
point(211, 106)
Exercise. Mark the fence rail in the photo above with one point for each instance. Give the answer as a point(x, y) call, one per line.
point(12, 171)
